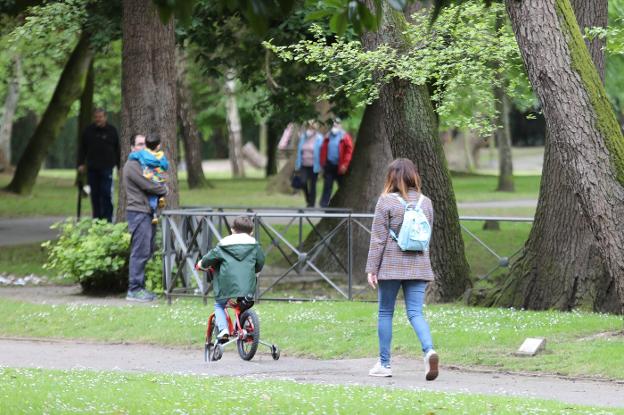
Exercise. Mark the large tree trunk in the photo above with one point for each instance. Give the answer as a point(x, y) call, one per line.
point(188, 129)
point(67, 91)
point(410, 126)
point(234, 125)
point(503, 142)
point(403, 118)
point(575, 252)
point(10, 105)
point(148, 85)
point(593, 13)
point(272, 136)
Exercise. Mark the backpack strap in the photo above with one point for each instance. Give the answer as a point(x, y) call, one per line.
point(400, 199)
point(420, 200)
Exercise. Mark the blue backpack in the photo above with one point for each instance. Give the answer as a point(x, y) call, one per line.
point(415, 231)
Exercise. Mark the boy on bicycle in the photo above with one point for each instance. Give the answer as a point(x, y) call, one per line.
point(236, 259)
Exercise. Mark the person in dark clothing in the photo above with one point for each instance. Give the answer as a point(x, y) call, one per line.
point(98, 154)
point(139, 216)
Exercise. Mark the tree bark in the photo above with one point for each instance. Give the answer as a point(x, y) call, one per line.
point(503, 142)
point(593, 13)
point(10, 105)
point(67, 91)
point(234, 125)
point(272, 136)
point(148, 85)
point(575, 252)
point(85, 115)
point(188, 129)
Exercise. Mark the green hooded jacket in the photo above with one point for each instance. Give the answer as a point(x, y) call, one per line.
point(236, 260)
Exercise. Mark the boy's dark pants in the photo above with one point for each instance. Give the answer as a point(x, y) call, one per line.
point(101, 184)
point(141, 247)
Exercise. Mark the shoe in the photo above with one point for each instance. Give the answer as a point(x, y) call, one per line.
point(162, 202)
point(431, 365)
point(154, 220)
point(380, 371)
point(141, 296)
point(223, 334)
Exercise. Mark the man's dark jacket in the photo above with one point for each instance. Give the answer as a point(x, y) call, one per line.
point(99, 147)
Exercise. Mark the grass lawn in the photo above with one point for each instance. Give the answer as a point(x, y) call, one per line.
point(55, 194)
point(65, 392)
point(23, 260)
point(329, 330)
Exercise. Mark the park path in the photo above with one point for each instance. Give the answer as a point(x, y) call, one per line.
point(408, 374)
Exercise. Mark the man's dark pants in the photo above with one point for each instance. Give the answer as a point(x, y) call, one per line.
point(141, 246)
point(330, 174)
point(101, 184)
point(309, 185)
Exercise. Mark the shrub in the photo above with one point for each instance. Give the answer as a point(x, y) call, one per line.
point(95, 254)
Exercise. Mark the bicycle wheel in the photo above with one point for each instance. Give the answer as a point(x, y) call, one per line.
point(211, 340)
point(248, 345)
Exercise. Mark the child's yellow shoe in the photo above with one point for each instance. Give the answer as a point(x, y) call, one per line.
point(162, 202)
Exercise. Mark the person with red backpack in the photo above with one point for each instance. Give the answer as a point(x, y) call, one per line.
point(336, 153)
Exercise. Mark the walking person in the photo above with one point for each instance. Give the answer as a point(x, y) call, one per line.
point(390, 267)
point(308, 164)
point(98, 154)
point(336, 153)
point(139, 189)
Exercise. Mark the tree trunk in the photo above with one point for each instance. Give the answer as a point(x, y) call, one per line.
point(403, 117)
point(575, 252)
point(86, 103)
point(67, 91)
point(148, 85)
point(272, 136)
point(503, 142)
point(188, 129)
point(593, 13)
point(10, 105)
point(234, 125)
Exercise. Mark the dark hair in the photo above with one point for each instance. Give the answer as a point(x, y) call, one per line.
point(242, 224)
point(401, 177)
point(133, 139)
point(99, 109)
point(152, 142)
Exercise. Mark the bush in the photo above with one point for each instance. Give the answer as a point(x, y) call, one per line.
point(95, 254)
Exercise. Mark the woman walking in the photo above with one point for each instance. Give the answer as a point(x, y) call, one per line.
point(308, 162)
point(391, 268)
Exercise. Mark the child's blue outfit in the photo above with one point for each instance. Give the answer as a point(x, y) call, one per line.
point(155, 166)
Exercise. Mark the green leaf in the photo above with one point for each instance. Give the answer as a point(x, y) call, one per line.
point(338, 23)
point(317, 15)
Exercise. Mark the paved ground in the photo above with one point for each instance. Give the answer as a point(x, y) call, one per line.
point(408, 374)
point(18, 231)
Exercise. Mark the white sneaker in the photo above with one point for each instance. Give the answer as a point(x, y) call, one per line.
point(380, 371)
point(431, 365)
point(223, 334)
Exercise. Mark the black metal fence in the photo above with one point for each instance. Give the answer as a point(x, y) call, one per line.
point(189, 233)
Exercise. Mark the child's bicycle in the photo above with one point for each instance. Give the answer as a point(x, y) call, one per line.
point(244, 330)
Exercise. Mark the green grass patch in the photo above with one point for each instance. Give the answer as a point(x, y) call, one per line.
point(22, 260)
point(477, 188)
point(81, 391)
point(330, 330)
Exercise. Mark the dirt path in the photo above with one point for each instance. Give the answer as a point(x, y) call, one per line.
point(407, 373)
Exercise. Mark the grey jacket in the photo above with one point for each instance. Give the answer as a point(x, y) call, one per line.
point(138, 187)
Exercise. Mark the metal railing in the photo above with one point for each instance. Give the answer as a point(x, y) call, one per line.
point(189, 233)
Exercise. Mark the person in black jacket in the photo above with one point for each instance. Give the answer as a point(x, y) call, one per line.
point(98, 154)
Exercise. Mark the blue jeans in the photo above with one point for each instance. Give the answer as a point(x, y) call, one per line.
point(220, 316)
point(101, 184)
point(414, 293)
point(141, 247)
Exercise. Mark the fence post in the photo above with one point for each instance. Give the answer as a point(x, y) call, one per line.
point(350, 256)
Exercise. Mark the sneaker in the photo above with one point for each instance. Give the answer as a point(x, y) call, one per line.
point(431, 365)
point(223, 334)
point(141, 296)
point(380, 371)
